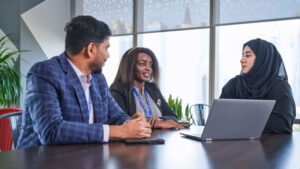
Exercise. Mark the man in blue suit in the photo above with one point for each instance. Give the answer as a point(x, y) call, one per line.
point(67, 99)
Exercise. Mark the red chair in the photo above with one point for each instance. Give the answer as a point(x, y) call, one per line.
point(6, 130)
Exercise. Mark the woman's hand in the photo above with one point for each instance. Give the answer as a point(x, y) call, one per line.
point(167, 124)
point(152, 121)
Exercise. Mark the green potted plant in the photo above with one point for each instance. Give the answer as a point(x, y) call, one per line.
point(176, 106)
point(10, 87)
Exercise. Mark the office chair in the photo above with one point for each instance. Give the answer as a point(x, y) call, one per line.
point(197, 113)
point(10, 126)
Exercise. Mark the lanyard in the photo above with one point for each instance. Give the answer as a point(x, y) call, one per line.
point(148, 115)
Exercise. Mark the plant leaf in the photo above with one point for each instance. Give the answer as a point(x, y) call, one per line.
point(10, 87)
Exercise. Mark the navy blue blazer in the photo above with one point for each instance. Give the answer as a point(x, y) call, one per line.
point(56, 110)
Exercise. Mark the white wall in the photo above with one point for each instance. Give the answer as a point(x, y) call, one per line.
point(46, 21)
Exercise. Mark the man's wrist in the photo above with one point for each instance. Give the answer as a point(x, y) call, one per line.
point(116, 132)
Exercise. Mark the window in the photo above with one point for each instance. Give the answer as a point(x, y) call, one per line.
point(184, 63)
point(176, 14)
point(118, 46)
point(178, 32)
point(118, 14)
point(232, 11)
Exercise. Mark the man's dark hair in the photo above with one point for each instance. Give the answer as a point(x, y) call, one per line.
point(83, 30)
point(127, 70)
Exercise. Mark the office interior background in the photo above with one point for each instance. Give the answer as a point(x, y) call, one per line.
point(198, 42)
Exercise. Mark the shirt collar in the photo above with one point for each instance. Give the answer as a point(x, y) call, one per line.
point(79, 73)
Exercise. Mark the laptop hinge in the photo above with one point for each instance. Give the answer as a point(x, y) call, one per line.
point(208, 139)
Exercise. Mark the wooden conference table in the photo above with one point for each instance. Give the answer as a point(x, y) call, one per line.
point(271, 151)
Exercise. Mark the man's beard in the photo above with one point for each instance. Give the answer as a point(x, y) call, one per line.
point(95, 66)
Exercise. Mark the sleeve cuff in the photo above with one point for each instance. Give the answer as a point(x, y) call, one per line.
point(105, 133)
point(126, 121)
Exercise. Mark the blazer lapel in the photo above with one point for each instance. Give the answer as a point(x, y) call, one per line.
point(80, 96)
point(75, 82)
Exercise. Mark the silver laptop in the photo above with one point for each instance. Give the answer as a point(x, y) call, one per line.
point(234, 119)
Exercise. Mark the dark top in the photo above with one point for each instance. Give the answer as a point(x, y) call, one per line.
point(125, 99)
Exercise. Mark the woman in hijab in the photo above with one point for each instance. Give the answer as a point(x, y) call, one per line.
point(134, 92)
point(263, 76)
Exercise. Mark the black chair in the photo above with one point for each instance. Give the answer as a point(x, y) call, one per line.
point(197, 113)
point(15, 119)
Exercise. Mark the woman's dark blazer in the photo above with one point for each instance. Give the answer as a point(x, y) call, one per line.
point(126, 100)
